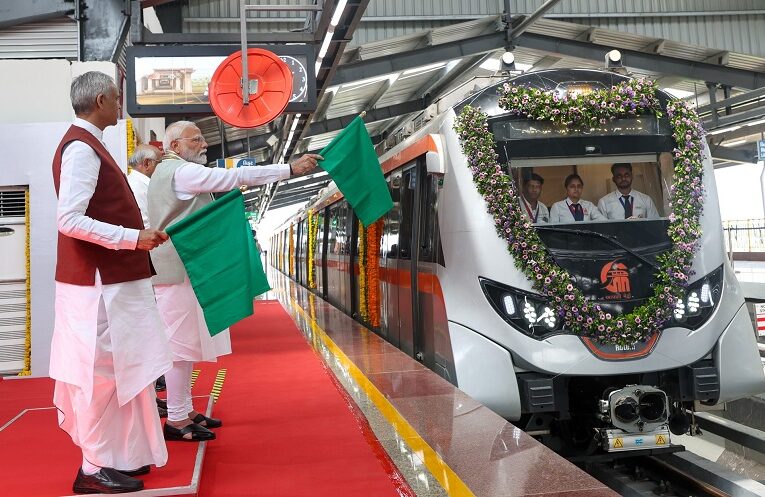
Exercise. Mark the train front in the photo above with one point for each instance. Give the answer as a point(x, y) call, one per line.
point(520, 345)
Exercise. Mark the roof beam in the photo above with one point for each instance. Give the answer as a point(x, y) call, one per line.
point(701, 71)
point(275, 204)
point(16, 13)
point(373, 115)
point(734, 154)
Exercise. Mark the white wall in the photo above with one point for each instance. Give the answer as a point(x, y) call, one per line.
point(35, 112)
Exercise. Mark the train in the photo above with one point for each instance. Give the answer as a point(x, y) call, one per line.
point(452, 295)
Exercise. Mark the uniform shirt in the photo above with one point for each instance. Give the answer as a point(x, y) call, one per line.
point(561, 213)
point(139, 183)
point(80, 166)
point(539, 215)
point(642, 205)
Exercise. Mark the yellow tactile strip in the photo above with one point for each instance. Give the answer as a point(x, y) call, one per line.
point(218, 384)
point(448, 479)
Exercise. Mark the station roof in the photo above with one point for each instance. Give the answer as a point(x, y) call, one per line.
point(401, 82)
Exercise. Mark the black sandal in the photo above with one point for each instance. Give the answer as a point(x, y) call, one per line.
point(198, 433)
point(203, 420)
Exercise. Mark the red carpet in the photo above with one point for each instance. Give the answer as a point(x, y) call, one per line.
point(287, 428)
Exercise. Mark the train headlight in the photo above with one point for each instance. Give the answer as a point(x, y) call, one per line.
point(699, 301)
point(525, 311)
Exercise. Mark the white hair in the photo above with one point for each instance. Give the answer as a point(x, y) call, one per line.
point(174, 131)
point(86, 88)
point(142, 152)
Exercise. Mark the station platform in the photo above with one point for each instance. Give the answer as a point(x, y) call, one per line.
point(313, 404)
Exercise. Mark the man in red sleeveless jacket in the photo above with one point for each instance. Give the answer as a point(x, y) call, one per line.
point(108, 343)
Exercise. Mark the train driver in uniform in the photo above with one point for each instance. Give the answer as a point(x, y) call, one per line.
point(624, 202)
point(573, 208)
point(531, 207)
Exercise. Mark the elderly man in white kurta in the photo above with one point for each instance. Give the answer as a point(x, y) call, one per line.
point(181, 185)
point(143, 162)
point(108, 345)
point(624, 202)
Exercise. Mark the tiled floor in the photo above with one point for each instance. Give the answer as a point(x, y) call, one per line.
point(443, 442)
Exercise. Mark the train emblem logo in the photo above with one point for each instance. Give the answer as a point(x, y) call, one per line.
point(616, 278)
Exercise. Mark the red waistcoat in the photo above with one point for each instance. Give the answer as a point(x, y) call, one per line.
point(112, 202)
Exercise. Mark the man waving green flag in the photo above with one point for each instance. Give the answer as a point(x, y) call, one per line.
point(351, 161)
point(219, 253)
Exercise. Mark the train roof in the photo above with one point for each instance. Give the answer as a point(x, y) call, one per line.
point(547, 80)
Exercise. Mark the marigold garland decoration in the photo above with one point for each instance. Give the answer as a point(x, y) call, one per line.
point(363, 290)
point(130, 136)
point(28, 294)
point(373, 238)
point(312, 224)
point(291, 254)
point(498, 189)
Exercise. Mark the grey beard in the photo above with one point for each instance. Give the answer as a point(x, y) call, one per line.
point(197, 159)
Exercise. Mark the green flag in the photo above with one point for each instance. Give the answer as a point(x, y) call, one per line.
point(351, 161)
point(218, 250)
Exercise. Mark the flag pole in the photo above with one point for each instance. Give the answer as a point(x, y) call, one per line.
point(363, 113)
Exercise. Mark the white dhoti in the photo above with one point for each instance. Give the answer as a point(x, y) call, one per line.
point(108, 347)
point(185, 324)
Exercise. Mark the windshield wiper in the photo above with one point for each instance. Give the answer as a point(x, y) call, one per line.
point(608, 238)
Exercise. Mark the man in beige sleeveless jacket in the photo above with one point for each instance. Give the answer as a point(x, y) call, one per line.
point(181, 185)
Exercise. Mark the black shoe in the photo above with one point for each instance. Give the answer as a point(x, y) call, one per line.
point(203, 420)
point(143, 470)
point(160, 385)
point(198, 433)
point(106, 481)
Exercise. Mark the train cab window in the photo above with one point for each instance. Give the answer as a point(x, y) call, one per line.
point(594, 190)
point(429, 240)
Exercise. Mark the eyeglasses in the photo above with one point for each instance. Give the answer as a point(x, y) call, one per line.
point(195, 139)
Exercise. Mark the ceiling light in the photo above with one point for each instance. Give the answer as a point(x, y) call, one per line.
point(734, 143)
point(723, 130)
point(325, 45)
point(755, 123)
point(508, 58)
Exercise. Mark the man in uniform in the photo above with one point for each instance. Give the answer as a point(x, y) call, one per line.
point(624, 202)
point(181, 185)
point(108, 344)
point(531, 207)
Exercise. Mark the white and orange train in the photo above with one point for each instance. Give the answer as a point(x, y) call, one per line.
point(452, 297)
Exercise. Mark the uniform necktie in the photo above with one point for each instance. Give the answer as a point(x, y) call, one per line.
point(627, 204)
point(577, 212)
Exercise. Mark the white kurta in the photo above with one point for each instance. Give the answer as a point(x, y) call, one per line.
point(139, 183)
point(184, 321)
point(108, 345)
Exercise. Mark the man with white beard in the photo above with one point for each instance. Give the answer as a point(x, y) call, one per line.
point(181, 185)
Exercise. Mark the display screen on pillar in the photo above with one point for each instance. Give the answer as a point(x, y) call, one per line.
point(172, 80)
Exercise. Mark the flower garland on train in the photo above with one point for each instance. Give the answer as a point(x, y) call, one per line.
point(310, 259)
point(291, 254)
point(630, 98)
point(363, 287)
point(372, 256)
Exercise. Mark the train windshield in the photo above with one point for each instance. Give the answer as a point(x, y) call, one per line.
point(594, 212)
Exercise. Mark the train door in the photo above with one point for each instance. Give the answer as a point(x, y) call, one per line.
point(303, 237)
point(346, 266)
point(407, 262)
point(389, 288)
point(354, 264)
point(324, 235)
point(332, 256)
point(298, 251)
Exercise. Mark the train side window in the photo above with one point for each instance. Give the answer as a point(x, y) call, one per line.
point(332, 235)
point(429, 220)
point(391, 228)
point(408, 190)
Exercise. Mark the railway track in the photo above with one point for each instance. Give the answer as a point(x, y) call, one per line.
point(682, 474)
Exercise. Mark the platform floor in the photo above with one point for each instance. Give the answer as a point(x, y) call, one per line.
point(313, 404)
point(442, 440)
